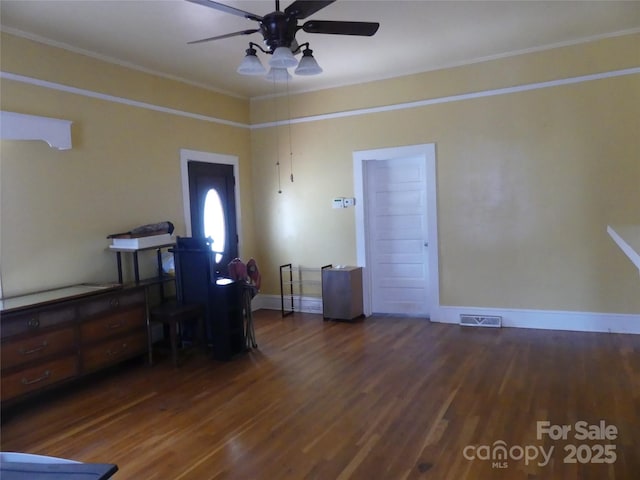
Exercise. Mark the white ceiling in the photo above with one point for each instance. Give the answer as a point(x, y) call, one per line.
point(414, 36)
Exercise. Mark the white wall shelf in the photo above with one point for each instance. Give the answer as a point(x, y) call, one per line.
point(19, 126)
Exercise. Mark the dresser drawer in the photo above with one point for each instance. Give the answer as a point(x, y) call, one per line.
point(37, 377)
point(113, 351)
point(34, 321)
point(110, 303)
point(33, 347)
point(115, 324)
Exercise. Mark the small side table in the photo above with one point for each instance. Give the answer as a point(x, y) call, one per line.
point(342, 293)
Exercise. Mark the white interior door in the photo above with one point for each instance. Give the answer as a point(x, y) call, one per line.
point(396, 231)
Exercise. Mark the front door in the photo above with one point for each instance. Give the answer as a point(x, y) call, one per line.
point(396, 230)
point(213, 208)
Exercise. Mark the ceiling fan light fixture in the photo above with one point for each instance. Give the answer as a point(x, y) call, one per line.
point(278, 75)
point(251, 64)
point(279, 29)
point(308, 65)
point(282, 58)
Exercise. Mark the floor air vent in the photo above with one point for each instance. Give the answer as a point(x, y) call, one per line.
point(480, 321)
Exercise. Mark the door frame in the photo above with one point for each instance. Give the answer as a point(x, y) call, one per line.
point(360, 158)
point(209, 157)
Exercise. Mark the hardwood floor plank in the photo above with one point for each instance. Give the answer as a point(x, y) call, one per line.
point(385, 398)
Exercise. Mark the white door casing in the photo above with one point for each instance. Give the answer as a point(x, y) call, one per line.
point(396, 229)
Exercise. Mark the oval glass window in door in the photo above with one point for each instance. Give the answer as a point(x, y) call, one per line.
point(214, 222)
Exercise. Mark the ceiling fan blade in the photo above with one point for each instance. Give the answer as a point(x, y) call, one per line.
point(365, 29)
point(234, 34)
point(304, 8)
point(227, 9)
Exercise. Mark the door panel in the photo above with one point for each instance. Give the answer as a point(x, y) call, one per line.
point(203, 178)
point(397, 234)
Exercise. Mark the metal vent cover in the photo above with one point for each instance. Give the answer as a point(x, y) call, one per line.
point(480, 321)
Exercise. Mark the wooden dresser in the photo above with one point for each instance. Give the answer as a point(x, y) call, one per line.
point(51, 337)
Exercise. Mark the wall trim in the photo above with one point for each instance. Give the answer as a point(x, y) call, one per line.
point(115, 99)
point(300, 303)
point(134, 66)
point(482, 59)
point(452, 98)
point(487, 58)
point(624, 323)
point(548, 319)
point(327, 116)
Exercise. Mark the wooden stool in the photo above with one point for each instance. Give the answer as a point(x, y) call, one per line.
point(172, 314)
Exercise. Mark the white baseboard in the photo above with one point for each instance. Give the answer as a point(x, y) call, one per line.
point(517, 318)
point(547, 319)
point(300, 304)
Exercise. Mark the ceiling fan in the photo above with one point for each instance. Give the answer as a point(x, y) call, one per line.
point(279, 30)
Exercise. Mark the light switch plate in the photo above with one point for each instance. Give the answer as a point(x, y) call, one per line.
point(349, 202)
point(338, 202)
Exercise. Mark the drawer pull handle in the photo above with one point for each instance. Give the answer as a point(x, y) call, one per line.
point(113, 326)
point(46, 375)
point(111, 353)
point(33, 323)
point(35, 349)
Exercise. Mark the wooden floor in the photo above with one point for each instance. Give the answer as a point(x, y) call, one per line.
point(387, 398)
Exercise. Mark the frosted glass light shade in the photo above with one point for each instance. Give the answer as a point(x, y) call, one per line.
point(251, 65)
point(282, 58)
point(278, 75)
point(308, 64)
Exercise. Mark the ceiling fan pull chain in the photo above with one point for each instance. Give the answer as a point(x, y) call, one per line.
point(275, 113)
point(292, 172)
point(289, 126)
point(278, 170)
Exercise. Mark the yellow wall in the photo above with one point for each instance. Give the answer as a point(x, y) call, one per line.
point(57, 207)
point(527, 182)
point(571, 61)
point(52, 64)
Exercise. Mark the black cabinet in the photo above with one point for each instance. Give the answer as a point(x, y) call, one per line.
point(226, 321)
point(198, 282)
